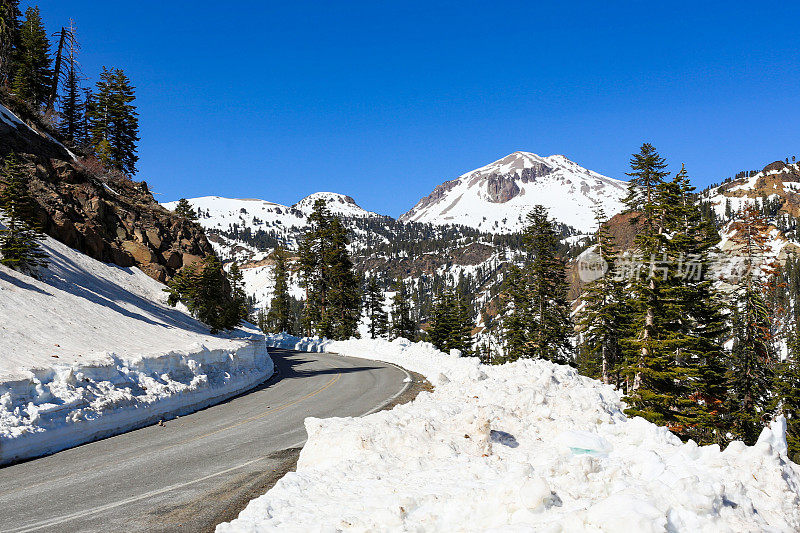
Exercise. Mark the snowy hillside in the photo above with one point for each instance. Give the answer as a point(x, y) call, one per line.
point(526, 446)
point(217, 213)
point(497, 197)
point(778, 181)
point(91, 349)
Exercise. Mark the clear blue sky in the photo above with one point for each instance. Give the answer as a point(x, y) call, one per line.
point(383, 101)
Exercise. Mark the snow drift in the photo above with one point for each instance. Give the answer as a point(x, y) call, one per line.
point(527, 446)
point(92, 350)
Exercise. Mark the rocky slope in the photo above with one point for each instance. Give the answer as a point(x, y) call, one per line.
point(106, 216)
point(497, 197)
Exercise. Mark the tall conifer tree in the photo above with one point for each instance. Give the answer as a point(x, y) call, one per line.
point(19, 241)
point(378, 318)
point(33, 77)
point(537, 321)
point(9, 38)
point(279, 318)
point(114, 122)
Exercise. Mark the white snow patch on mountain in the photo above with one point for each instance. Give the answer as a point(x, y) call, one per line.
point(497, 197)
point(526, 446)
point(92, 349)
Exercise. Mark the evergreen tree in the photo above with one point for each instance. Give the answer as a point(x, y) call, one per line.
point(537, 321)
point(451, 323)
point(185, 210)
point(19, 241)
point(240, 306)
point(9, 38)
point(647, 173)
point(279, 318)
point(749, 379)
point(113, 121)
point(33, 77)
point(605, 317)
point(208, 294)
point(403, 324)
point(787, 388)
point(333, 301)
point(378, 318)
point(72, 106)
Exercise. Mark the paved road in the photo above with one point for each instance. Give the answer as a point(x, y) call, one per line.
point(198, 469)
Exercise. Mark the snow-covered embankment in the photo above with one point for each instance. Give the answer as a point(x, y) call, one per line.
point(91, 350)
point(527, 446)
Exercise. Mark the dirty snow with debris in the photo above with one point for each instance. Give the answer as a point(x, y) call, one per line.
point(526, 446)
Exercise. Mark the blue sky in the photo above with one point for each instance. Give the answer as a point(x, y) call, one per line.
point(385, 100)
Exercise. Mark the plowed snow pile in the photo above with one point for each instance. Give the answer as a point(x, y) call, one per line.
point(527, 446)
point(92, 349)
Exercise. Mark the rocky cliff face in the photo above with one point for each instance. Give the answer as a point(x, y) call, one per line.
point(109, 218)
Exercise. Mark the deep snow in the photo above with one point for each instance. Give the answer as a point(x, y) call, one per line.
point(569, 191)
point(527, 446)
point(92, 349)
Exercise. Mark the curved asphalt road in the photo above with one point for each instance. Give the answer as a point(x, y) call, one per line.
point(198, 469)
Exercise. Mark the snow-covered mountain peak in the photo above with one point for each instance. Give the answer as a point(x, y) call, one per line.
point(497, 197)
point(338, 204)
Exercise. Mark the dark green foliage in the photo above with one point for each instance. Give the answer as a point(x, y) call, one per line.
point(19, 241)
point(451, 323)
point(647, 173)
point(184, 209)
point(72, 105)
point(208, 294)
point(787, 388)
point(605, 315)
point(378, 317)
point(333, 302)
point(403, 325)
point(675, 356)
point(9, 38)
point(279, 319)
point(537, 321)
point(33, 77)
point(113, 121)
point(749, 379)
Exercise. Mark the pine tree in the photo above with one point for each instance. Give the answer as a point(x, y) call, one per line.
point(403, 324)
point(19, 241)
point(605, 317)
point(451, 324)
point(113, 121)
point(345, 297)
point(378, 318)
point(787, 388)
point(749, 377)
point(537, 321)
point(647, 173)
point(72, 106)
point(9, 38)
point(208, 294)
point(333, 301)
point(185, 210)
point(675, 355)
point(239, 307)
point(33, 77)
point(279, 318)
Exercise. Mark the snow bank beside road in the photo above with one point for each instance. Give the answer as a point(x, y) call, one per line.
point(528, 446)
point(92, 349)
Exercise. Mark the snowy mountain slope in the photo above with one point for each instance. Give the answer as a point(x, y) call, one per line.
point(217, 213)
point(92, 349)
point(525, 446)
point(497, 197)
point(778, 182)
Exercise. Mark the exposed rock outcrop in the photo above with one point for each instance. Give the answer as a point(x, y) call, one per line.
point(109, 218)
